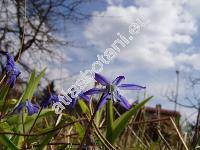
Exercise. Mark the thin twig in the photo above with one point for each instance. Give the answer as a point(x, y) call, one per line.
point(90, 123)
point(145, 122)
point(87, 130)
point(174, 124)
point(131, 129)
point(33, 124)
point(163, 139)
point(105, 141)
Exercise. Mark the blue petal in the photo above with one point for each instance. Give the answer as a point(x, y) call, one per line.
point(130, 87)
point(122, 100)
point(19, 107)
point(52, 98)
point(8, 68)
point(32, 108)
point(84, 97)
point(94, 91)
point(11, 81)
point(10, 60)
point(104, 100)
point(100, 79)
point(73, 103)
point(118, 80)
point(11, 70)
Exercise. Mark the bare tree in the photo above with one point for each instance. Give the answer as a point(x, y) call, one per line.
point(28, 26)
point(192, 102)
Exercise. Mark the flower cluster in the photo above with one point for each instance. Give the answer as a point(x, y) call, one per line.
point(109, 90)
point(11, 69)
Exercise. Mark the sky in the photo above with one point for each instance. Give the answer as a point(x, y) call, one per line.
point(168, 43)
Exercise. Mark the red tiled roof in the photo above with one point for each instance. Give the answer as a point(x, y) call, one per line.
point(163, 111)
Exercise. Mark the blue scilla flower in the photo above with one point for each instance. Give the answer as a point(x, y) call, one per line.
point(80, 96)
point(110, 90)
point(71, 102)
point(11, 69)
point(31, 108)
point(49, 100)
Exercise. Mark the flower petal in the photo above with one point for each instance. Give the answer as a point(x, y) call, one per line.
point(49, 99)
point(19, 107)
point(84, 97)
point(32, 108)
point(130, 87)
point(118, 80)
point(73, 103)
point(11, 81)
point(10, 60)
point(100, 79)
point(103, 101)
point(122, 100)
point(11, 70)
point(94, 91)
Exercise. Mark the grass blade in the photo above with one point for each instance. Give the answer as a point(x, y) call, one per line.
point(120, 123)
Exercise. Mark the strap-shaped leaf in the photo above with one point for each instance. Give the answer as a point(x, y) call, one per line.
point(7, 142)
point(32, 85)
point(29, 86)
point(120, 123)
point(79, 128)
point(83, 106)
point(36, 82)
point(46, 140)
point(4, 92)
point(109, 119)
point(49, 136)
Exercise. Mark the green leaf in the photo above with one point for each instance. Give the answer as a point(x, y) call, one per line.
point(98, 117)
point(46, 140)
point(83, 106)
point(7, 142)
point(5, 127)
point(28, 87)
point(9, 103)
point(79, 128)
point(36, 82)
point(109, 119)
point(120, 123)
point(49, 136)
point(30, 119)
point(4, 92)
point(32, 85)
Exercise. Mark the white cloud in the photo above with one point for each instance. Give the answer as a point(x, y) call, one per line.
point(191, 60)
point(193, 6)
point(150, 49)
point(114, 2)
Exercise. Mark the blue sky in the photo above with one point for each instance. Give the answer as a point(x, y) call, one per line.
point(169, 42)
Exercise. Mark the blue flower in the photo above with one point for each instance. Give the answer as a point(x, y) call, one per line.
point(11, 69)
point(31, 108)
point(81, 96)
point(51, 98)
point(72, 102)
point(55, 98)
point(111, 90)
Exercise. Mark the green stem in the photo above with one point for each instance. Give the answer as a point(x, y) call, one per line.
point(35, 122)
point(90, 123)
point(23, 126)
